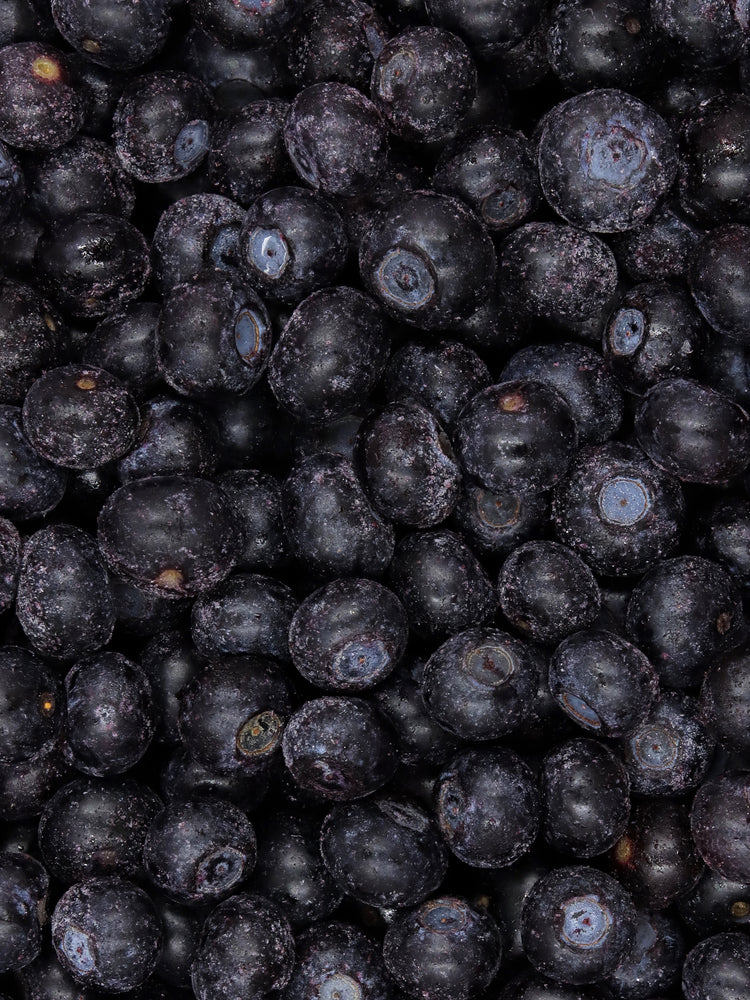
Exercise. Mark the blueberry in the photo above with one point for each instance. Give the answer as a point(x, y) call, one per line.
point(443, 950)
point(578, 924)
point(107, 934)
point(720, 279)
point(24, 889)
point(717, 821)
point(605, 160)
point(717, 968)
point(120, 36)
point(336, 960)
point(338, 41)
point(42, 108)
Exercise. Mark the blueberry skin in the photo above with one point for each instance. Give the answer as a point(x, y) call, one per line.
point(419, 99)
point(332, 528)
point(654, 333)
point(579, 374)
point(725, 700)
point(290, 871)
point(586, 798)
point(605, 160)
point(30, 705)
point(705, 35)
point(618, 510)
point(175, 437)
point(107, 934)
point(493, 171)
point(42, 108)
point(181, 930)
point(660, 248)
point(93, 264)
point(349, 635)
point(693, 432)
point(247, 155)
point(246, 24)
point(31, 338)
point(336, 139)
point(214, 335)
point(722, 534)
point(12, 187)
point(603, 682)
point(253, 429)
point(717, 822)
point(609, 43)
point(293, 242)
point(174, 556)
point(339, 747)
point(407, 465)
point(655, 962)
point(543, 611)
point(578, 924)
point(338, 41)
point(717, 968)
point(716, 189)
point(257, 497)
point(442, 377)
point(518, 435)
point(529, 985)
point(420, 739)
point(656, 859)
point(329, 356)
point(80, 417)
point(246, 949)
point(199, 852)
point(64, 602)
point(683, 614)
point(91, 827)
point(246, 613)
point(671, 750)
point(384, 851)
point(24, 889)
point(442, 950)
point(441, 583)
point(26, 786)
point(557, 273)
point(233, 712)
point(184, 778)
point(495, 523)
point(427, 259)
point(715, 904)
point(109, 715)
point(492, 29)
point(488, 806)
point(121, 36)
point(10, 563)
point(719, 278)
point(170, 661)
point(481, 683)
point(162, 126)
point(123, 345)
point(193, 234)
point(338, 957)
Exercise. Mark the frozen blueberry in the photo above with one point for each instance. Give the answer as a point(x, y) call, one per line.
point(32, 338)
point(586, 798)
point(120, 35)
point(123, 344)
point(603, 682)
point(424, 81)
point(192, 541)
point(199, 852)
point(618, 510)
point(338, 958)
point(428, 259)
point(64, 604)
point(246, 23)
point(339, 747)
point(518, 435)
point(246, 950)
point(337, 41)
point(30, 705)
point(481, 684)
point(706, 35)
point(495, 523)
point(715, 904)
point(407, 465)
point(578, 924)
point(605, 160)
point(107, 934)
point(718, 821)
point(293, 242)
point(24, 889)
point(162, 126)
point(80, 417)
point(330, 355)
point(335, 138)
point(443, 950)
point(384, 851)
point(671, 750)
point(257, 497)
point(719, 277)
point(92, 827)
point(488, 806)
point(233, 712)
point(655, 961)
point(196, 233)
point(175, 436)
point(41, 107)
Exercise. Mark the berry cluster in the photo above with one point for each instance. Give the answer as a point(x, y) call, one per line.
point(374, 511)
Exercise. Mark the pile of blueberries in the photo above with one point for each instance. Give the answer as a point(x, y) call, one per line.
point(374, 511)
